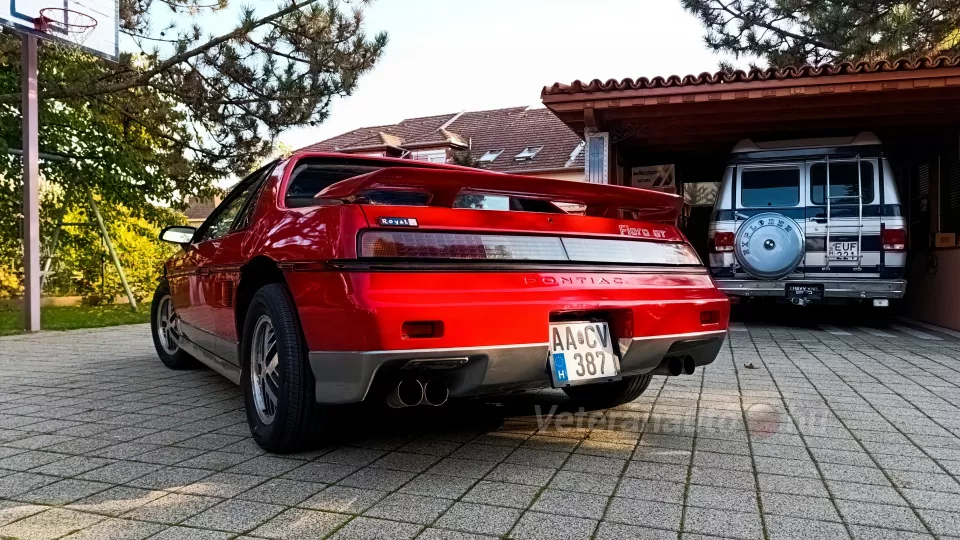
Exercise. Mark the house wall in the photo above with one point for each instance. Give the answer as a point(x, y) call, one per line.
point(933, 287)
point(576, 175)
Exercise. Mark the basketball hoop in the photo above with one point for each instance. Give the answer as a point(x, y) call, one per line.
point(70, 25)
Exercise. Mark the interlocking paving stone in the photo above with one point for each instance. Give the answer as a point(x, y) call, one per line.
point(538, 526)
point(410, 508)
point(297, 524)
point(48, 525)
point(365, 528)
point(502, 494)
point(871, 423)
point(117, 529)
point(788, 528)
point(347, 500)
point(479, 518)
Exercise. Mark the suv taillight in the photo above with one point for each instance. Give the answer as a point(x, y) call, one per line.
point(894, 239)
point(723, 241)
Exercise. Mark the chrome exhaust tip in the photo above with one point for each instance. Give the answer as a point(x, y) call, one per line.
point(689, 365)
point(408, 392)
point(435, 392)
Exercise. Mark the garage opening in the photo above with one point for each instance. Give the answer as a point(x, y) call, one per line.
point(676, 134)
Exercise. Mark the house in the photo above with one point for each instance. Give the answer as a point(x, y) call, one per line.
point(513, 140)
point(198, 209)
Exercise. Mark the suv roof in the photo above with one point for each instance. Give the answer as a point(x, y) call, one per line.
point(864, 138)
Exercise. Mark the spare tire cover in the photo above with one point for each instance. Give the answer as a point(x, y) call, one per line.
point(769, 245)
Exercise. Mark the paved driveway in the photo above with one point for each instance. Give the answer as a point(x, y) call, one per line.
point(853, 432)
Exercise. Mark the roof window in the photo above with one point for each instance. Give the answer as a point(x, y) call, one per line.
point(490, 155)
point(528, 153)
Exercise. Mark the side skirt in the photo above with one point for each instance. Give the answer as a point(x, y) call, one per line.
point(211, 360)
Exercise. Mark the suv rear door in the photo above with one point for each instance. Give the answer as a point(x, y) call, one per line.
point(772, 187)
point(853, 248)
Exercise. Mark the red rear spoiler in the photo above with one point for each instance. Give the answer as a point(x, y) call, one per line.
point(601, 200)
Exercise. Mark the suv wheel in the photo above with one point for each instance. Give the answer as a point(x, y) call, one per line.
point(277, 384)
point(607, 395)
point(165, 327)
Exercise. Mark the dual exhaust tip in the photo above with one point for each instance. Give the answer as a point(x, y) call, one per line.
point(676, 365)
point(411, 392)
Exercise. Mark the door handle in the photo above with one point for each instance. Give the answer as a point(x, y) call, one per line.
point(820, 218)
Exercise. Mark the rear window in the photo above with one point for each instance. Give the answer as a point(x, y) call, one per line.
point(769, 187)
point(311, 176)
point(843, 182)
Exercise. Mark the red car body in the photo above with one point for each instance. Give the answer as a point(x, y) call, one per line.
point(365, 318)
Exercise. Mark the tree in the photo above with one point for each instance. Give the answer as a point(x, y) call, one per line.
point(226, 96)
point(800, 32)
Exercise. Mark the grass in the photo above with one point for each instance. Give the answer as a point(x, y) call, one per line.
point(73, 317)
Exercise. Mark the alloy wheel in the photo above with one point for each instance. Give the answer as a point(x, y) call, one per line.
point(168, 326)
point(264, 377)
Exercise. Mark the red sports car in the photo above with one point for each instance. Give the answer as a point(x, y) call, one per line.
point(329, 279)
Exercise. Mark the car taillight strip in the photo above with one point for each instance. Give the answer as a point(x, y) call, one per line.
point(629, 251)
point(460, 246)
point(423, 245)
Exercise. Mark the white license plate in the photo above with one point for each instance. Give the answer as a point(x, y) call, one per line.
point(582, 351)
point(844, 251)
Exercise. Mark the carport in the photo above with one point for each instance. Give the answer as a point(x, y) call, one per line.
point(692, 123)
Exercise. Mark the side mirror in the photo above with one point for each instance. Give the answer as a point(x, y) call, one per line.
point(178, 235)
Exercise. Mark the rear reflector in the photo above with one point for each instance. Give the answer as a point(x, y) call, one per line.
point(460, 246)
point(421, 329)
point(894, 239)
point(722, 241)
point(709, 317)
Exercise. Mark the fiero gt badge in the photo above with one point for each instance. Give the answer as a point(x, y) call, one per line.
point(398, 222)
point(642, 232)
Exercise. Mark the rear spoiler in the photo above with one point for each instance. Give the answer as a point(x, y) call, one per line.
point(600, 200)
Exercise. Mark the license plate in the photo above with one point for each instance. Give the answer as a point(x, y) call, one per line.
point(582, 352)
point(844, 251)
point(803, 290)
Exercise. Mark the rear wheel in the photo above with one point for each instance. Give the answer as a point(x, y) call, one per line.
point(165, 327)
point(278, 386)
point(607, 395)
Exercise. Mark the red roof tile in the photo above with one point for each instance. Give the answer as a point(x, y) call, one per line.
point(720, 77)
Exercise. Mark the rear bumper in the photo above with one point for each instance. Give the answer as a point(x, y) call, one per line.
point(496, 323)
point(346, 377)
point(833, 288)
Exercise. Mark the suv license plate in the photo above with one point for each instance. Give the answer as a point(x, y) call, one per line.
point(582, 352)
point(844, 251)
point(803, 290)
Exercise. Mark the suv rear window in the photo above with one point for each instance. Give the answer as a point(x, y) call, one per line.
point(843, 182)
point(769, 187)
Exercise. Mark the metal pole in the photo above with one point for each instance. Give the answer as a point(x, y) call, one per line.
point(56, 236)
point(31, 185)
point(113, 254)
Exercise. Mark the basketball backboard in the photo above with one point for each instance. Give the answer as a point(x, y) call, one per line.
point(102, 39)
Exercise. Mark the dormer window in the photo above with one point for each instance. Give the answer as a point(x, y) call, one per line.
point(490, 155)
point(528, 153)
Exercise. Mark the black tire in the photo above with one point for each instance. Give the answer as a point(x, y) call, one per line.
point(607, 395)
point(169, 352)
point(297, 421)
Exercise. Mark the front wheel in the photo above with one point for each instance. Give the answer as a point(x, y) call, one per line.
point(278, 386)
point(607, 395)
point(165, 328)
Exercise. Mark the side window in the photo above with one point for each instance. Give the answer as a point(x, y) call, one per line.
point(843, 182)
point(221, 221)
point(770, 187)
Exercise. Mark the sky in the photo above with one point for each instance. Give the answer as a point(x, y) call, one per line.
point(446, 56)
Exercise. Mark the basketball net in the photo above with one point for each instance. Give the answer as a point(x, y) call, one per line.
point(69, 25)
